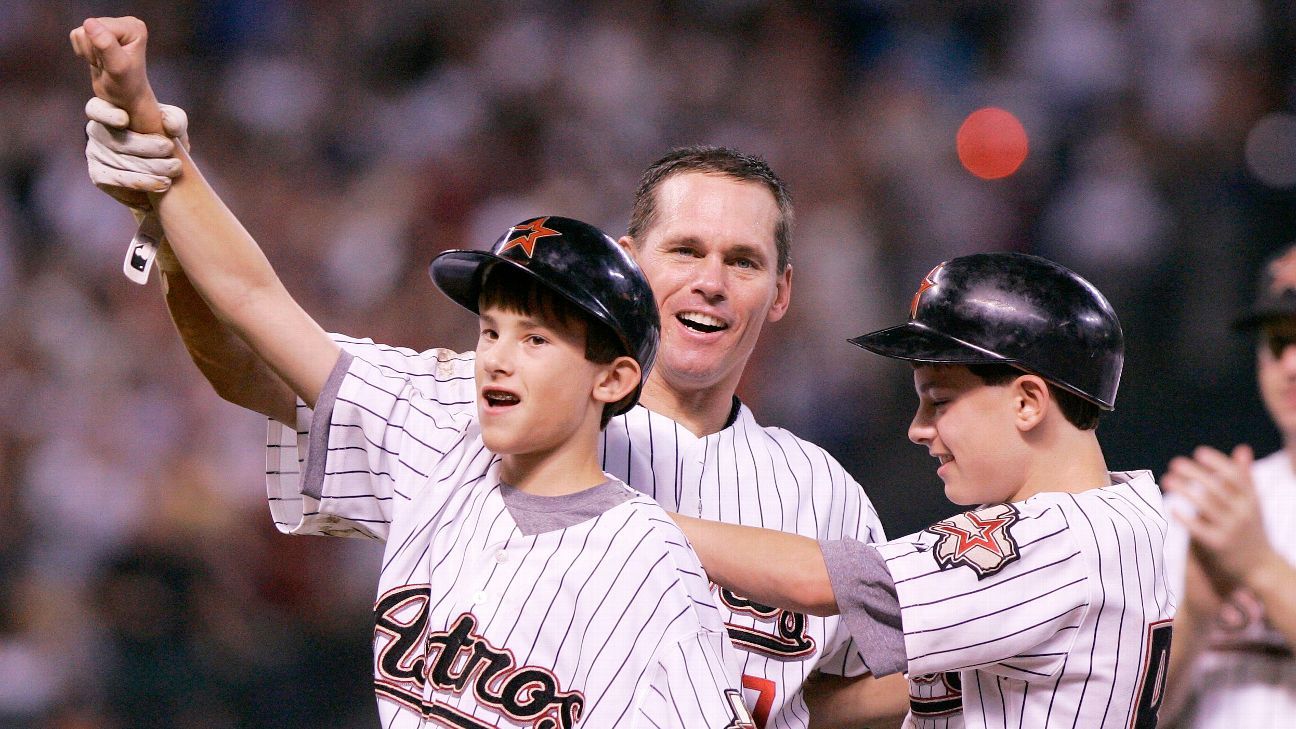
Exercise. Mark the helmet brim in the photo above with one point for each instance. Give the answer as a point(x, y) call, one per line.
point(459, 275)
point(915, 342)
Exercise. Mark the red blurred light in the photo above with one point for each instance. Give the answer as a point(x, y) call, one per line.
point(991, 143)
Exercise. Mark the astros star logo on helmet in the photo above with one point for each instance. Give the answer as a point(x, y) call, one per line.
point(980, 540)
point(923, 285)
point(531, 232)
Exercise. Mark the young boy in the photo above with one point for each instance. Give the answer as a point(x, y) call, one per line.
point(1049, 599)
point(521, 586)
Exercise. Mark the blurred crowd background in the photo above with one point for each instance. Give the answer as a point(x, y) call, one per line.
point(141, 581)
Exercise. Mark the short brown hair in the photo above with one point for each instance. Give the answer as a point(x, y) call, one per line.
point(508, 288)
point(718, 161)
point(1078, 411)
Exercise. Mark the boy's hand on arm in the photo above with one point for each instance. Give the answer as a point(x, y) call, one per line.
point(127, 165)
point(771, 567)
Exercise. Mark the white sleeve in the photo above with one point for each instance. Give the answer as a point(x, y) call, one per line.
point(992, 589)
point(443, 376)
point(375, 439)
point(692, 686)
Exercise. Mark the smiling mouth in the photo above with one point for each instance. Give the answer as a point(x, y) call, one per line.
point(699, 322)
point(499, 398)
point(943, 458)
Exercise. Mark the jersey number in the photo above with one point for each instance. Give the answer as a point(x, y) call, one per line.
point(765, 689)
point(1156, 664)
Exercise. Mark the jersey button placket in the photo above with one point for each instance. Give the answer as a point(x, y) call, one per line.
point(492, 556)
point(692, 469)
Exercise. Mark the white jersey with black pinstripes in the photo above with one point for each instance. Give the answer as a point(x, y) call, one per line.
point(481, 621)
point(1246, 674)
point(1055, 611)
point(745, 473)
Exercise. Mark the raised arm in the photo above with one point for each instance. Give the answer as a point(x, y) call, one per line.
point(126, 166)
point(234, 371)
point(218, 255)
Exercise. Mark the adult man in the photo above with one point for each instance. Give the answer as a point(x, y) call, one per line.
point(711, 230)
point(1232, 663)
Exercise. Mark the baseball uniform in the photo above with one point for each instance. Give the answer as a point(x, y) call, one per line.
point(501, 608)
point(1055, 611)
point(1246, 673)
point(935, 701)
point(745, 473)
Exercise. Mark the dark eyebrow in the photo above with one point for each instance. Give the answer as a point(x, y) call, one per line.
point(742, 249)
point(687, 240)
point(746, 251)
point(525, 320)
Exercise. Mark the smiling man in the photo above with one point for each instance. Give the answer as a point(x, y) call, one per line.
point(701, 229)
point(711, 230)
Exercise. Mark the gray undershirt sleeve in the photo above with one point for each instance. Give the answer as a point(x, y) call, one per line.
point(866, 595)
point(321, 419)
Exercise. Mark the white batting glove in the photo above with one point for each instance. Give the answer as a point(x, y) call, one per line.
point(128, 165)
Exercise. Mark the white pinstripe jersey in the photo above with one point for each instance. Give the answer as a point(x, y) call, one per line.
point(482, 622)
point(745, 474)
point(1055, 611)
point(1246, 674)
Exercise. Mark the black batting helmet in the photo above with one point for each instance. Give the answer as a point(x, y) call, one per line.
point(575, 260)
point(1015, 309)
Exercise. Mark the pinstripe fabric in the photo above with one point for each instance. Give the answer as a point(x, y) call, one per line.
point(746, 473)
point(479, 624)
point(1059, 625)
point(757, 476)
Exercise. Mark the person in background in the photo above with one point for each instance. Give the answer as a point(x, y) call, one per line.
point(1231, 547)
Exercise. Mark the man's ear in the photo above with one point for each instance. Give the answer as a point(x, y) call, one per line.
point(782, 295)
point(628, 244)
point(1032, 398)
point(618, 379)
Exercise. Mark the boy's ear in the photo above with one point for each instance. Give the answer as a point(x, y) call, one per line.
point(1033, 399)
point(619, 378)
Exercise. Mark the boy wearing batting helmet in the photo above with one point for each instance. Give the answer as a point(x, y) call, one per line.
point(521, 586)
point(1047, 602)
